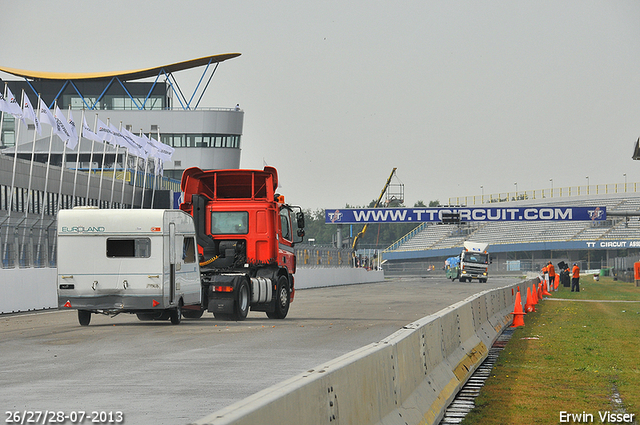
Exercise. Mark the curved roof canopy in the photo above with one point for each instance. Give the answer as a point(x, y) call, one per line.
point(122, 75)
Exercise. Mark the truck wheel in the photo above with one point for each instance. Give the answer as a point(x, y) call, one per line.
point(241, 307)
point(84, 317)
point(282, 299)
point(176, 314)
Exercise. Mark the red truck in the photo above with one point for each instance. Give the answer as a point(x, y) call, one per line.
point(245, 234)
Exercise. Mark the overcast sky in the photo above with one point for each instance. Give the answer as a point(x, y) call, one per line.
point(455, 94)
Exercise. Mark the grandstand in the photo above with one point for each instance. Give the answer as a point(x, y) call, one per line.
point(594, 244)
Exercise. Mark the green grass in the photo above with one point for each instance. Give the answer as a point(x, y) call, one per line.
point(569, 356)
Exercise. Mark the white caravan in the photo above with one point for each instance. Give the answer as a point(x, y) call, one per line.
point(128, 261)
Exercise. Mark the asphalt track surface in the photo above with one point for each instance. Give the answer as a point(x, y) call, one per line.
point(158, 373)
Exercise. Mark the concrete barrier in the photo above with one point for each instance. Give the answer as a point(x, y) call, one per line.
point(317, 277)
point(408, 378)
point(27, 289)
point(35, 289)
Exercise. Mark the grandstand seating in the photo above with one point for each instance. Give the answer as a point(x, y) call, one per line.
point(435, 236)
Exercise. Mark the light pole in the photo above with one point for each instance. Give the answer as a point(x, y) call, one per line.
point(551, 180)
point(482, 197)
point(625, 181)
point(516, 185)
point(587, 184)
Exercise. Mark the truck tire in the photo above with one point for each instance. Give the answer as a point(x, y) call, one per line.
point(84, 317)
point(282, 299)
point(241, 307)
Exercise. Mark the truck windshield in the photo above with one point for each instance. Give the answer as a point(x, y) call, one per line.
point(229, 222)
point(475, 257)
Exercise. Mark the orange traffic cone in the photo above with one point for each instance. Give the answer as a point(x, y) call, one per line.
point(556, 283)
point(529, 306)
point(545, 291)
point(534, 295)
point(518, 320)
point(539, 294)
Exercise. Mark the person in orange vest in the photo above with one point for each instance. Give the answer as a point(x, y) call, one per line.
point(575, 280)
point(552, 275)
point(545, 274)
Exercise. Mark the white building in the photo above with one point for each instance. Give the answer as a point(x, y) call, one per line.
point(148, 101)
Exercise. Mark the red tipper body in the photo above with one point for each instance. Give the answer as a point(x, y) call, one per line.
point(252, 191)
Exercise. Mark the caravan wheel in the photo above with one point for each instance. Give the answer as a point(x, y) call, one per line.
point(84, 317)
point(176, 314)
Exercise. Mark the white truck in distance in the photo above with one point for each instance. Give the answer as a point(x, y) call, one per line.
point(472, 263)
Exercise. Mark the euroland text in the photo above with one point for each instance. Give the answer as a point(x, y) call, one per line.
point(603, 417)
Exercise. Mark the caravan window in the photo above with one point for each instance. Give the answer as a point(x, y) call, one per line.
point(189, 250)
point(134, 248)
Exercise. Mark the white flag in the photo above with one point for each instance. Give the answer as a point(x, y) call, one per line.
point(14, 105)
point(46, 116)
point(30, 114)
point(62, 128)
point(87, 133)
point(73, 141)
point(137, 142)
point(165, 152)
point(4, 105)
point(103, 132)
point(117, 137)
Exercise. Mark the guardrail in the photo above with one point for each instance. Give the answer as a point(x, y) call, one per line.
point(408, 378)
point(546, 194)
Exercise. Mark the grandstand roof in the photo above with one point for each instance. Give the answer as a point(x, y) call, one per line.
point(122, 75)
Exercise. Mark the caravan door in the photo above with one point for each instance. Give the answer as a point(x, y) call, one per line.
point(172, 263)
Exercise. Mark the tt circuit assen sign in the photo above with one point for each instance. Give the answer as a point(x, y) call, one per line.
point(420, 215)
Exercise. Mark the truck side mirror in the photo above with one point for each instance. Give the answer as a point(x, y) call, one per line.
point(300, 220)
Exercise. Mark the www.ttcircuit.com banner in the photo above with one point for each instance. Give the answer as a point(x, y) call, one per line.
point(420, 215)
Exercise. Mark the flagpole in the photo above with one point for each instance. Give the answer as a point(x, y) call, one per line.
point(135, 178)
point(33, 154)
point(64, 157)
point(15, 156)
point(1, 125)
point(13, 180)
point(15, 159)
point(93, 143)
point(124, 175)
point(125, 158)
point(2, 114)
point(144, 181)
point(104, 153)
point(62, 164)
point(46, 178)
point(155, 172)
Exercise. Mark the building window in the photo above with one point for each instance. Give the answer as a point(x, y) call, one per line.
point(201, 140)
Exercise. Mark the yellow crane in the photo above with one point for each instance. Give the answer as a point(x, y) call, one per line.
point(364, 229)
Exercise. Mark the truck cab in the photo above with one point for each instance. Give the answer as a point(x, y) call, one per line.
point(246, 234)
point(472, 263)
